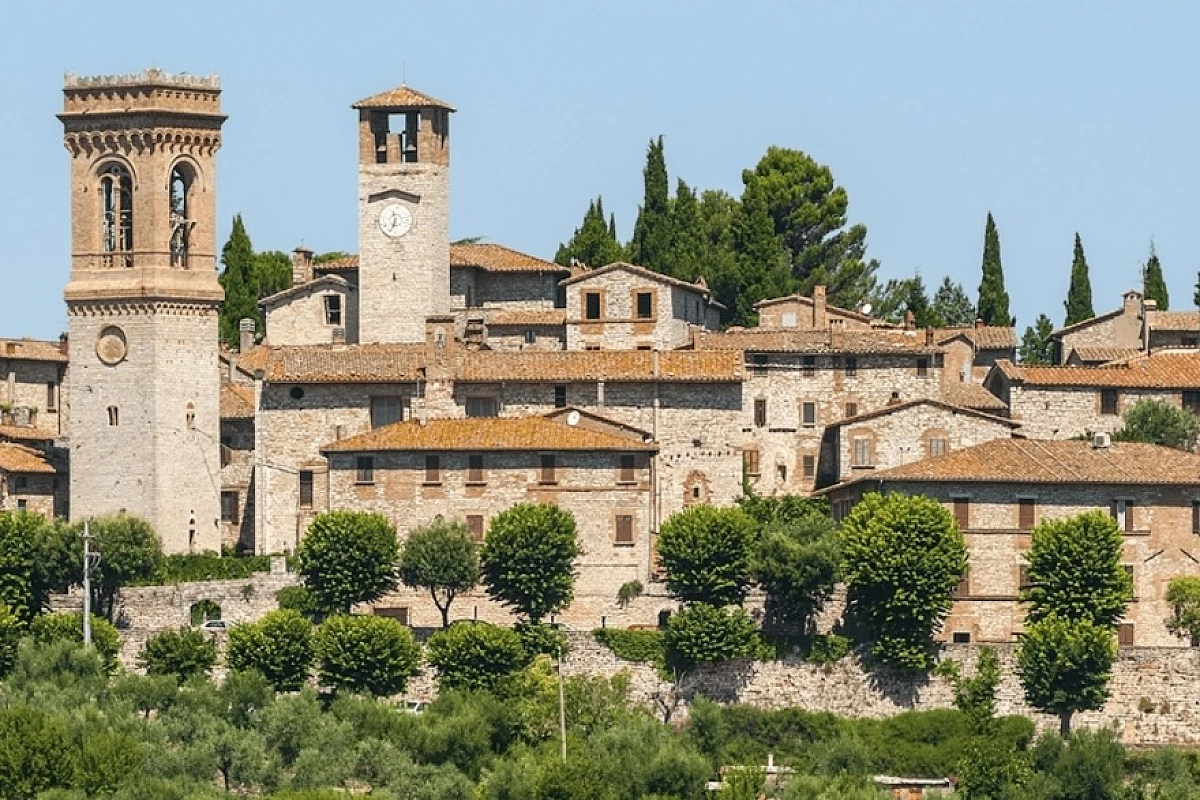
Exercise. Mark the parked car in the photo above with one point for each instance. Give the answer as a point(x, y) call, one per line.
point(214, 625)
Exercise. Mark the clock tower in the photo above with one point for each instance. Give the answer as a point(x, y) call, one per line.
point(142, 301)
point(403, 214)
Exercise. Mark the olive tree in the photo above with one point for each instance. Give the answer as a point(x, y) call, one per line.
point(1159, 422)
point(441, 557)
point(348, 557)
point(529, 559)
point(902, 557)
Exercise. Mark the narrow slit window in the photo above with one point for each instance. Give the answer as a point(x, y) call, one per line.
point(306, 488)
point(181, 224)
point(114, 416)
point(549, 469)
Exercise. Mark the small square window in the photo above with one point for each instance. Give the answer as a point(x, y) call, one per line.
point(333, 309)
point(851, 409)
point(22, 483)
point(1108, 401)
point(624, 529)
point(961, 637)
point(1125, 634)
point(22, 505)
point(938, 445)
point(645, 305)
point(365, 469)
point(483, 407)
point(385, 411)
point(591, 305)
point(530, 337)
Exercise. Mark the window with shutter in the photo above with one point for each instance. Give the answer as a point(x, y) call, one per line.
point(628, 470)
point(475, 526)
point(962, 512)
point(475, 468)
point(760, 413)
point(1027, 508)
point(810, 466)
point(750, 461)
point(549, 469)
point(862, 451)
point(365, 469)
point(1125, 634)
point(1108, 401)
point(851, 366)
point(624, 532)
point(851, 409)
point(433, 469)
point(809, 414)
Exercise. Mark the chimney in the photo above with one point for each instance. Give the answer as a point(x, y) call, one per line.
point(302, 265)
point(910, 321)
point(929, 337)
point(245, 335)
point(62, 344)
point(820, 317)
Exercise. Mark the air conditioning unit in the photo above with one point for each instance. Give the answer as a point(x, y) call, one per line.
point(1101, 441)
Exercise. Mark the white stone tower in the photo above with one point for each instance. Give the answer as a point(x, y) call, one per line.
point(403, 214)
point(142, 301)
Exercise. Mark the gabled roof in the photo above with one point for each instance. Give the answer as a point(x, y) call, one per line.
point(355, 363)
point(616, 366)
point(1174, 321)
point(700, 287)
point(323, 282)
point(532, 317)
point(25, 460)
point(1057, 462)
point(498, 258)
point(801, 340)
point(237, 402)
point(972, 395)
point(1104, 355)
point(909, 404)
point(495, 433)
point(1087, 323)
point(804, 300)
point(1164, 369)
point(31, 350)
point(983, 337)
point(403, 96)
point(337, 264)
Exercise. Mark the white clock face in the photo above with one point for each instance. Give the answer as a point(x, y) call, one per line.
point(395, 220)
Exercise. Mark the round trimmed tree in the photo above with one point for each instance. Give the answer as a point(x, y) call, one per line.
point(366, 654)
point(700, 634)
point(475, 655)
point(348, 557)
point(529, 557)
point(706, 554)
point(1065, 665)
point(1075, 570)
point(441, 557)
point(279, 646)
point(180, 654)
point(902, 557)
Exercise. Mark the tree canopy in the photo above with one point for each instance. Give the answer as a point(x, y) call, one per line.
point(651, 244)
point(1153, 283)
point(528, 559)
point(1079, 293)
point(992, 307)
point(366, 654)
point(951, 305)
point(1036, 345)
point(348, 557)
point(1160, 422)
point(705, 552)
point(594, 241)
point(1183, 595)
point(1075, 570)
point(1065, 665)
point(902, 556)
point(443, 558)
point(279, 646)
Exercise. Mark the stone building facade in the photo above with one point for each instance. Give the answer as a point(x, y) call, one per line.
point(1136, 327)
point(998, 491)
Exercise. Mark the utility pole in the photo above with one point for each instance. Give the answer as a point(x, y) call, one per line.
point(90, 560)
point(562, 707)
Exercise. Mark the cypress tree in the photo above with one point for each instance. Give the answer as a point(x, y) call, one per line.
point(993, 298)
point(593, 242)
point(651, 243)
point(1153, 286)
point(240, 283)
point(763, 268)
point(1079, 293)
point(688, 244)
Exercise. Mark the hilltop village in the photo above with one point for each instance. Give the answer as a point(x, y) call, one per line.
point(422, 378)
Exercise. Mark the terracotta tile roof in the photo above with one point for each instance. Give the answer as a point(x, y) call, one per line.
point(1170, 369)
point(358, 363)
point(498, 258)
point(237, 402)
point(403, 96)
point(497, 433)
point(1059, 462)
point(31, 350)
point(22, 459)
point(22, 433)
point(517, 316)
point(343, 263)
point(700, 287)
point(1175, 321)
point(984, 337)
point(972, 395)
point(325, 281)
point(797, 340)
point(252, 360)
point(1103, 355)
point(892, 409)
point(808, 301)
point(627, 366)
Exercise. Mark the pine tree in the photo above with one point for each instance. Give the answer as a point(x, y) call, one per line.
point(1079, 293)
point(593, 242)
point(1036, 345)
point(951, 304)
point(651, 243)
point(993, 298)
point(1153, 285)
point(240, 283)
point(763, 269)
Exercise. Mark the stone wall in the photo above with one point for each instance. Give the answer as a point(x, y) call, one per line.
point(301, 317)
point(1065, 412)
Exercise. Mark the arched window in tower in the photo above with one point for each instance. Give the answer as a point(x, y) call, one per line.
point(116, 198)
point(181, 224)
point(191, 417)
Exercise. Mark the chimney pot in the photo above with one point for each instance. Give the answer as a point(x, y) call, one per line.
point(245, 334)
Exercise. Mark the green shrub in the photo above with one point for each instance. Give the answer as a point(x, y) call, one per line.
point(475, 656)
point(366, 654)
point(11, 631)
point(67, 627)
point(348, 557)
point(539, 639)
point(279, 646)
point(647, 647)
point(299, 598)
point(207, 566)
point(700, 633)
point(827, 648)
point(182, 654)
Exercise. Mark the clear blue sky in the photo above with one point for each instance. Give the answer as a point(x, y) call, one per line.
point(1057, 117)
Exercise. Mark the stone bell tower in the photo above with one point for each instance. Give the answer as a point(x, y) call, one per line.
point(142, 301)
point(403, 214)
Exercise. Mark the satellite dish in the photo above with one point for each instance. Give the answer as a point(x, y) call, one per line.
point(865, 308)
point(573, 418)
